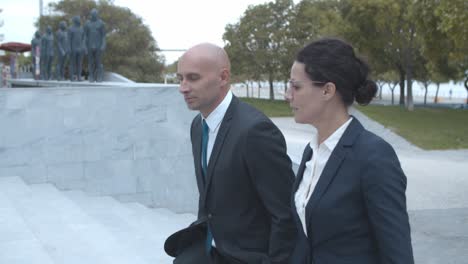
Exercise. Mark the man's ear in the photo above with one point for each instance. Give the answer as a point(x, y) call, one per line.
point(225, 76)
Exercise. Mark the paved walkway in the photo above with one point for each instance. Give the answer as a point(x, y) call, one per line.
point(437, 196)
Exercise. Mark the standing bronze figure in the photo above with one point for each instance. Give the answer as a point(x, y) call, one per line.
point(35, 52)
point(77, 47)
point(63, 49)
point(95, 35)
point(47, 54)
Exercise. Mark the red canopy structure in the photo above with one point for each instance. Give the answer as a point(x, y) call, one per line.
point(15, 47)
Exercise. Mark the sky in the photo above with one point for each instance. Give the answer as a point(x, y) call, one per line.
point(175, 24)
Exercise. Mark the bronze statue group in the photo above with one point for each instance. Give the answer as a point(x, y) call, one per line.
point(71, 45)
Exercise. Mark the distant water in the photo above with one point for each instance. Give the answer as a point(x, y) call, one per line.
point(457, 89)
point(448, 92)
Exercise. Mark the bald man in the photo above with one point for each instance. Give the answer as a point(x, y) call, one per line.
point(244, 175)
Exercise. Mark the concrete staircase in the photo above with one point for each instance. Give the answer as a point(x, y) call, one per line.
point(40, 224)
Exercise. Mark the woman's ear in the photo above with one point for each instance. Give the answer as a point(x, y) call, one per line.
point(329, 90)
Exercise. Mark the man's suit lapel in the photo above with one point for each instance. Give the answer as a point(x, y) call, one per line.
point(333, 165)
point(197, 141)
point(218, 145)
point(306, 156)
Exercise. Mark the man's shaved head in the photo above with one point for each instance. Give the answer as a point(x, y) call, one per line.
point(214, 55)
point(204, 72)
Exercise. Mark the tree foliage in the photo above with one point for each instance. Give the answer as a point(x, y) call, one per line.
point(258, 43)
point(131, 50)
point(454, 23)
point(422, 40)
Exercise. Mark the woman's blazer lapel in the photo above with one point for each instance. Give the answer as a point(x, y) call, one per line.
point(306, 156)
point(332, 167)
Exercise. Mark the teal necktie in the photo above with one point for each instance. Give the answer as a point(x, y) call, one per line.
point(205, 135)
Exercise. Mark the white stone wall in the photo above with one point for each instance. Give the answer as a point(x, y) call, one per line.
point(131, 143)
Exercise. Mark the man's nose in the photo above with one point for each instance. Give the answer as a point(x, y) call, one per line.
point(183, 87)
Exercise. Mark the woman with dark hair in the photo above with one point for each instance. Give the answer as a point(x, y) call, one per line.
point(349, 195)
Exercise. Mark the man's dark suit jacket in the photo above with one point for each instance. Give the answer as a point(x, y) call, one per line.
point(247, 192)
point(357, 212)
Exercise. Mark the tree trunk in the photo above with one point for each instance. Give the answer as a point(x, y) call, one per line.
point(409, 86)
point(409, 81)
point(409, 98)
point(272, 91)
point(436, 98)
point(392, 88)
point(380, 86)
point(425, 94)
point(259, 86)
point(466, 87)
point(247, 89)
point(408, 52)
point(402, 85)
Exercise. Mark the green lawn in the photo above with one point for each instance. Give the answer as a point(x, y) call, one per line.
point(276, 108)
point(427, 128)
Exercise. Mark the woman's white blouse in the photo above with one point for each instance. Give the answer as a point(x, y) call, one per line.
point(314, 167)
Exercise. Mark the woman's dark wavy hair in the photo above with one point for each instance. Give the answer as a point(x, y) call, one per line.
point(333, 60)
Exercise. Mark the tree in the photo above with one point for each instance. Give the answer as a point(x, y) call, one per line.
point(170, 73)
point(131, 50)
point(438, 44)
point(425, 80)
point(257, 43)
point(369, 32)
point(311, 20)
point(454, 22)
point(391, 78)
point(243, 66)
point(314, 19)
point(386, 31)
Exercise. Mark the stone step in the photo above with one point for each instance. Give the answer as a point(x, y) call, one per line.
point(164, 222)
point(40, 224)
point(66, 232)
point(139, 233)
point(18, 244)
point(163, 215)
